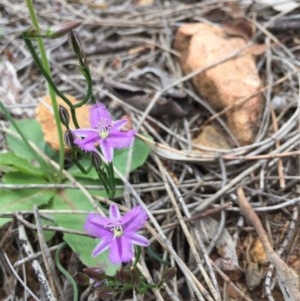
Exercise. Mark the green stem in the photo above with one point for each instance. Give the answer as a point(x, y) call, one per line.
point(104, 181)
point(51, 91)
point(111, 178)
point(137, 256)
point(87, 75)
point(65, 272)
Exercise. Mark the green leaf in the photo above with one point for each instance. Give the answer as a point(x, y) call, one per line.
point(140, 154)
point(48, 235)
point(21, 178)
point(82, 245)
point(11, 161)
point(33, 132)
point(19, 200)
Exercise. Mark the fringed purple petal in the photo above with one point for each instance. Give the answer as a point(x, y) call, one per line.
point(114, 212)
point(138, 239)
point(85, 132)
point(88, 143)
point(101, 247)
point(96, 226)
point(121, 139)
point(107, 151)
point(121, 250)
point(99, 114)
point(134, 219)
point(118, 124)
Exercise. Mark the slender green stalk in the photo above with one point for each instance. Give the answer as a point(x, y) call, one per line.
point(51, 91)
point(65, 272)
point(111, 178)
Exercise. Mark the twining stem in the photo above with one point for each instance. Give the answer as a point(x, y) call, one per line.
point(50, 89)
point(65, 272)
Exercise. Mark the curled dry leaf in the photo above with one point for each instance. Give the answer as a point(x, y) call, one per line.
point(140, 97)
point(208, 228)
point(10, 87)
point(227, 83)
point(45, 116)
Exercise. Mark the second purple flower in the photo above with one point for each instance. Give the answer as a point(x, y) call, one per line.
point(118, 233)
point(104, 133)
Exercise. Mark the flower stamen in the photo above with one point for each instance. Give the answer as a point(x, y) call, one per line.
point(104, 133)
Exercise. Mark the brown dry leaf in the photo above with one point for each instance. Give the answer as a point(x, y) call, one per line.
point(258, 253)
point(212, 137)
point(225, 245)
point(257, 49)
point(44, 115)
point(140, 96)
point(202, 45)
point(240, 28)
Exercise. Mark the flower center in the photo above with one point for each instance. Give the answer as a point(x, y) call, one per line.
point(116, 228)
point(118, 231)
point(103, 133)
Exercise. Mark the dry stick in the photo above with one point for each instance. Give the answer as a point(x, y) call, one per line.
point(228, 280)
point(211, 283)
point(228, 186)
point(20, 218)
point(33, 256)
point(273, 116)
point(186, 232)
point(241, 176)
point(142, 187)
point(200, 215)
point(35, 264)
point(48, 262)
point(287, 278)
point(283, 246)
point(277, 145)
point(26, 288)
point(170, 153)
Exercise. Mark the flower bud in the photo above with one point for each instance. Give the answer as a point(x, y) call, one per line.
point(168, 274)
point(106, 293)
point(99, 284)
point(75, 43)
point(123, 275)
point(69, 138)
point(81, 278)
point(64, 116)
point(96, 160)
point(95, 273)
point(61, 29)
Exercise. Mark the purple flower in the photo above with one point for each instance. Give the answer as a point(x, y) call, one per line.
point(104, 133)
point(118, 233)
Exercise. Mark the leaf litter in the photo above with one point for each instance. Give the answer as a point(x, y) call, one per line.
point(182, 179)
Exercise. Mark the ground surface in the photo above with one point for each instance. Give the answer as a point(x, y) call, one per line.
point(200, 224)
